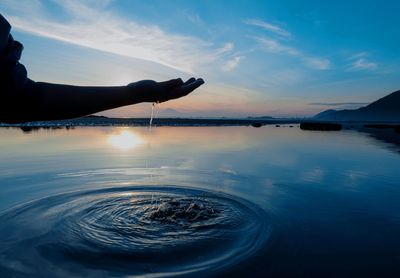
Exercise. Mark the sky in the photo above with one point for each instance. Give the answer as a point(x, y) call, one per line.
point(282, 58)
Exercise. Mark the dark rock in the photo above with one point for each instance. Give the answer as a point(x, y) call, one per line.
point(320, 126)
point(379, 126)
point(28, 129)
point(277, 126)
point(256, 124)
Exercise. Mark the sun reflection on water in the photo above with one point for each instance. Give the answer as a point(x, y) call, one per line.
point(125, 140)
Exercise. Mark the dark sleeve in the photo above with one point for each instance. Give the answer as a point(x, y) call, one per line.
point(13, 75)
point(15, 87)
point(5, 28)
point(15, 71)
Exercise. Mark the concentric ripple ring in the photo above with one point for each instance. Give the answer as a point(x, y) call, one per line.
point(127, 231)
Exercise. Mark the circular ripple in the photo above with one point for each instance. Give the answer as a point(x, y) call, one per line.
point(152, 231)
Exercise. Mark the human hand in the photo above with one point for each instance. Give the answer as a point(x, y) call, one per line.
point(152, 91)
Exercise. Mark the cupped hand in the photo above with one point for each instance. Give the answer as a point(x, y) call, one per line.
point(152, 91)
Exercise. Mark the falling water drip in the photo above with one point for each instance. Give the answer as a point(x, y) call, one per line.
point(153, 116)
point(157, 110)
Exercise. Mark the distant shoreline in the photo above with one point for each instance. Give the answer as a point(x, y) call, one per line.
point(104, 121)
point(100, 121)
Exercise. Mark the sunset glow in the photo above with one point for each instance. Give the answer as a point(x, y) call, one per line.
point(125, 140)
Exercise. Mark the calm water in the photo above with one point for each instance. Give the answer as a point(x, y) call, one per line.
point(201, 201)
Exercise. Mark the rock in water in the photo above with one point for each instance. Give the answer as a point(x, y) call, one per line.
point(320, 126)
point(256, 124)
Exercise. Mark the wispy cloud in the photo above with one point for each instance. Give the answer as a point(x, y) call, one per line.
point(338, 103)
point(274, 46)
point(194, 18)
point(232, 64)
point(96, 27)
point(268, 27)
point(226, 48)
point(318, 63)
point(280, 44)
point(360, 61)
point(363, 64)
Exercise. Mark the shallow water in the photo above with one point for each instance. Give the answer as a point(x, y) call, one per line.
point(198, 201)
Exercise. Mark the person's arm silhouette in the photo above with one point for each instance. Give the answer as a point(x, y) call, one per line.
point(22, 99)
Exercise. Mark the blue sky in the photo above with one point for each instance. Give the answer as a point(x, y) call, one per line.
point(280, 58)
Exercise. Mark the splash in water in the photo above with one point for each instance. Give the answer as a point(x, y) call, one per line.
point(123, 232)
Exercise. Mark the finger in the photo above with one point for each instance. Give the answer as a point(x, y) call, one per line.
point(172, 83)
point(201, 81)
point(186, 89)
point(190, 80)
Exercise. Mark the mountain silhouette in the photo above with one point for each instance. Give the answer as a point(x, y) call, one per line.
point(386, 109)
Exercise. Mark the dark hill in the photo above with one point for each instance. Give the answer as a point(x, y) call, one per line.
point(386, 109)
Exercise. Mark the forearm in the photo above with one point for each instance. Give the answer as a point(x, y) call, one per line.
point(65, 101)
point(40, 101)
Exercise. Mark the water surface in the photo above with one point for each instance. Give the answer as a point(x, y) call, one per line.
point(195, 201)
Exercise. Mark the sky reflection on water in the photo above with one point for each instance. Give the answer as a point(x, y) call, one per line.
point(331, 197)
